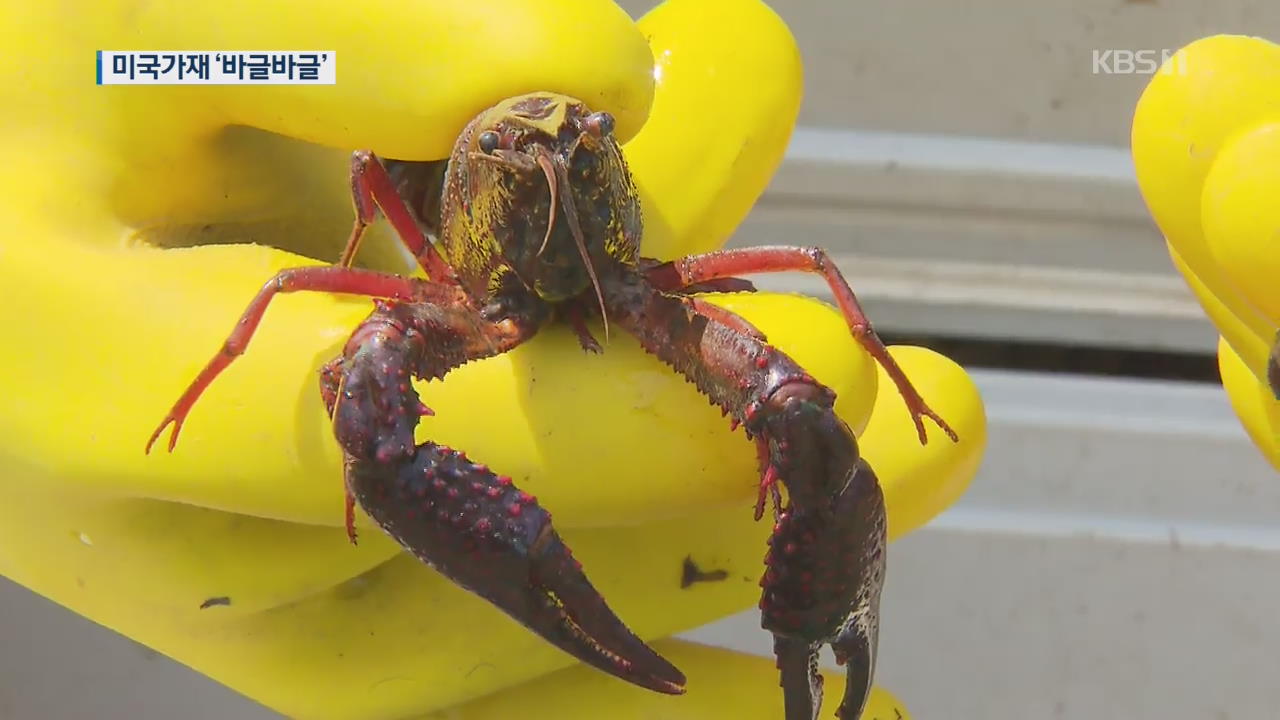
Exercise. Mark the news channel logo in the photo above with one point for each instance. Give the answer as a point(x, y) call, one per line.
point(1131, 61)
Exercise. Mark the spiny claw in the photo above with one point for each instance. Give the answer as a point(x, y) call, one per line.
point(377, 411)
point(801, 681)
point(823, 586)
point(826, 555)
point(493, 539)
point(574, 616)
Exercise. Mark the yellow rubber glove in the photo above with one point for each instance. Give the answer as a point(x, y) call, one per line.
point(229, 554)
point(1206, 146)
point(732, 685)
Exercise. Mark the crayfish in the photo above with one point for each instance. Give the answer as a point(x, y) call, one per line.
point(534, 217)
point(1273, 368)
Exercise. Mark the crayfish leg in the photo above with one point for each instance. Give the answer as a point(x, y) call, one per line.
point(350, 516)
point(372, 188)
point(577, 320)
point(697, 269)
point(318, 279)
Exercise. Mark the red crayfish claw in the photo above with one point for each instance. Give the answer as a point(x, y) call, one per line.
point(826, 559)
point(496, 541)
point(822, 586)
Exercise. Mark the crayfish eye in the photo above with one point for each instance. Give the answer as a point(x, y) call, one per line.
point(488, 141)
point(598, 124)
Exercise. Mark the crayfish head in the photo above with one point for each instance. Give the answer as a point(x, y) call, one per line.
point(547, 195)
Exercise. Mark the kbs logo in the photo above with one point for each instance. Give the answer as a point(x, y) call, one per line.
point(1138, 62)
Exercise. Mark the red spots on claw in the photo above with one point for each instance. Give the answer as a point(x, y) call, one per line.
point(480, 468)
point(483, 525)
point(526, 498)
point(477, 486)
point(514, 510)
point(762, 361)
point(504, 481)
point(493, 492)
point(424, 411)
point(452, 492)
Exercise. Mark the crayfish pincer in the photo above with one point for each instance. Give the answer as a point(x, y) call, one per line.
point(532, 218)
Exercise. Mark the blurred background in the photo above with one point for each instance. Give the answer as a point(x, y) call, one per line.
point(1119, 552)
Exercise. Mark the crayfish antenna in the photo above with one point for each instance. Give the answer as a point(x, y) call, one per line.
point(548, 168)
point(571, 214)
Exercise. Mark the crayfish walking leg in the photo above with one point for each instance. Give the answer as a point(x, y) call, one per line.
point(723, 265)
